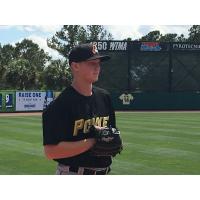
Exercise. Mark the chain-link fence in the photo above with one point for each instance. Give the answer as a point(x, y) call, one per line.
point(150, 66)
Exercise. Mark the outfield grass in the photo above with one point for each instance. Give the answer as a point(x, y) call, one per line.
point(154, 143)
point(21, 150)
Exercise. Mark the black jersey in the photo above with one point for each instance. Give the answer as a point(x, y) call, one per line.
point(69, 117)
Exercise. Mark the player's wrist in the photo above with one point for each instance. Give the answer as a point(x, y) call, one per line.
point(91, 141)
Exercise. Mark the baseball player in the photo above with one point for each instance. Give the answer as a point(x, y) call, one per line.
point(67, 138)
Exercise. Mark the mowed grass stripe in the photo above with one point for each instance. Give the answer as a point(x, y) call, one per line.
point(22, 146)
point(194, 117)
point(27, 128)
point(21, 149)
point(165, 150)
point(167, 131)
point(159, 121)
point(157, 141)
point(154, 143)
point(17, 121)
point(22, 163)
point(163, 123)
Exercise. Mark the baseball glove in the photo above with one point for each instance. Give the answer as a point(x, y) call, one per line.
point(108, 141)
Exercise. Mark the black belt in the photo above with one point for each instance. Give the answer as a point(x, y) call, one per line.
point(87, 171)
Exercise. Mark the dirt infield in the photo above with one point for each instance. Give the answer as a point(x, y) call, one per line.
point(21, 114)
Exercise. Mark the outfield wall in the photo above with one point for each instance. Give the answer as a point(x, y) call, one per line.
point(31, 101)
point(156, 101)
point(25, 101)
point(7, 101)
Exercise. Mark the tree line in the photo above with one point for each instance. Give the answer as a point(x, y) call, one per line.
point(25, 66)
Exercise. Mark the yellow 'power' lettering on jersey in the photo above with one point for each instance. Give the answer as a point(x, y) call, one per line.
point(87, 125)
point(98, 121)
point(105, 121)
point(93, 121)
point(78, 126)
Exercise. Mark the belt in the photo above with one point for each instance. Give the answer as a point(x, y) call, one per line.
point(89, 171)
point(85, 170)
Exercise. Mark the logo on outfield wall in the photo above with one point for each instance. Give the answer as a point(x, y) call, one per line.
point(185, 46)
point(111, 45)
point(49, 97)
point(126, 98)
point(9, 100)
point(30, 100)
point(0, 101)
point(150, 46)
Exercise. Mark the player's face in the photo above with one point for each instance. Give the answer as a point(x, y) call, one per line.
point(89, 70)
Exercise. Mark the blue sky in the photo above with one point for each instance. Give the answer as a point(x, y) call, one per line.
point(39, 34)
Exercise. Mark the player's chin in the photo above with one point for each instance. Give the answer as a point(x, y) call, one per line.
point(95, 78)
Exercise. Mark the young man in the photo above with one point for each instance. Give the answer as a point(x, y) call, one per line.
point(67, 137)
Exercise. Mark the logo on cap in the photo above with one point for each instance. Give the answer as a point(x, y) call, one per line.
point(94, 49)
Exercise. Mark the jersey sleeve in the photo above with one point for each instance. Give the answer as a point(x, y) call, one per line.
point(51, 121)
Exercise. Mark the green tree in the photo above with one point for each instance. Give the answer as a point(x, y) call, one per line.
point(71, 35)
point(127, 39)
point(56, 75)
point(21, 65)
point(66, 38)
point(20, 74)
point(194, 33)
point(7, 54)
point(1, 68)
point(37, 59)
point(98, 32)
point(28, 50)
point(152, 36)
point(169, 37)
point(156, 36)
point(181, 38)
point(172, 37)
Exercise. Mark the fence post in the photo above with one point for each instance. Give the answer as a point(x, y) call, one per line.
point(129, 64)
point(170, 68)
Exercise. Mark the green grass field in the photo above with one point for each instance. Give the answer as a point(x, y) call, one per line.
point(154, 143)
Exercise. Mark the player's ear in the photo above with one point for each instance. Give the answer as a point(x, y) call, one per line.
point(74, 66)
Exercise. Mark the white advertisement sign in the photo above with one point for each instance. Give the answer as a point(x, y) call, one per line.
point(30, 100)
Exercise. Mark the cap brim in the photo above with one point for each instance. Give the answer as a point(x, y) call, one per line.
point(101, 57)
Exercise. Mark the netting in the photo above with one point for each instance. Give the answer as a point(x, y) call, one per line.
point(150, 66)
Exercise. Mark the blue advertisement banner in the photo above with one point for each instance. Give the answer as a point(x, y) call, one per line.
point(0, 101)
point(9, 101)
point(49, 97)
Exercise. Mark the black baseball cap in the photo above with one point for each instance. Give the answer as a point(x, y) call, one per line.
point(85, 52)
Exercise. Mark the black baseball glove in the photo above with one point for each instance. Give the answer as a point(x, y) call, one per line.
point(108, 141)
